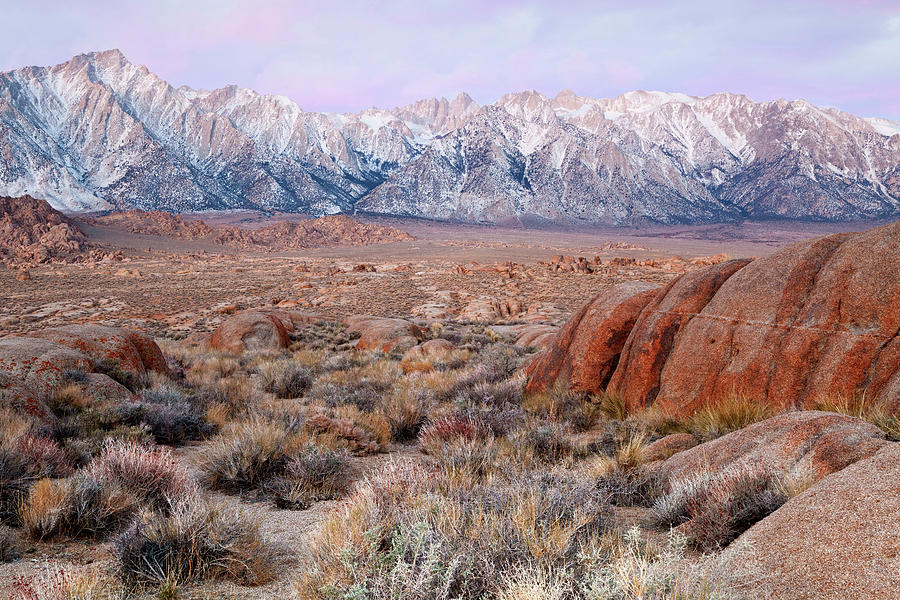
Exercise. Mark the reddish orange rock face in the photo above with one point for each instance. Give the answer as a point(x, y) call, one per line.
point(656, 330)
point(586, 350)
point(820, 318)
point(817, 319)
point(384, 334)
point(133, 352)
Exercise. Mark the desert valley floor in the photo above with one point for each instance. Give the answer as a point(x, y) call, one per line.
point(454, 425)
point(159, 283)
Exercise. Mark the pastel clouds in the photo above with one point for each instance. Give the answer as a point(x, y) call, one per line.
point(348, 55)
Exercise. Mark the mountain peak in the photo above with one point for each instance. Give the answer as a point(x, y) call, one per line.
point(99, 129)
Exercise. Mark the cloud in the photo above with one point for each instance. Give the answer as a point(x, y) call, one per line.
point(351, 54)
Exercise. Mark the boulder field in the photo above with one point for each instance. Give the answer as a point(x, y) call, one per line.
point(820, 318)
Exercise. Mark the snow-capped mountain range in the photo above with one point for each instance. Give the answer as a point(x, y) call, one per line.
point(99, 132)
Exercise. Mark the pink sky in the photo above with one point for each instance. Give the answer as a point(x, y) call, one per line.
point(346, 56)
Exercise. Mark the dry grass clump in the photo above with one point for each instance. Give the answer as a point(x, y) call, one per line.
point(623, 475)
point(197, 540)
point(271, 460)
point(730, 413)
point(714, 508)
point(403, 535)
point(406, 411)
point(864, 407)
point(151, 473)
point(24, 460)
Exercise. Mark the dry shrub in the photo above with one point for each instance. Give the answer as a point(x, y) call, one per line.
point(198, 540)
point(167, 412)
point(712, 509)
point(23, 461)
point(449, 429)
point(342, 431)
point(535, 584)
point(547, 441)
point(342, 388)
point(150, 473)
point(103, 497)
point(311, 474)
point(285, 378)
point(376, 426)
point(398, 537)
point(45, 456)
point(270, 460)
point(245, 457)
point(623, 476)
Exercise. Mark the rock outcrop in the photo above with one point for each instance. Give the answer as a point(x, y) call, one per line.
point(586, 350)
point(31, 230)
point(817, 319)
point(637, 377)
point(133, 352)
point(34, 367)
point(40, 365)
point(384, 334)
point(803, 442)
point(839, 539)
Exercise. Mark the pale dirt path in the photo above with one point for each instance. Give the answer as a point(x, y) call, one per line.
point(291, 529)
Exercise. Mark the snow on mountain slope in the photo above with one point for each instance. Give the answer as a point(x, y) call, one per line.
point(98, 131)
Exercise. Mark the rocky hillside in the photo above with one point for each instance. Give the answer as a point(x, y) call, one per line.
point(331, 230)
point(100, 132)
point(31, 230)
point(816, 321)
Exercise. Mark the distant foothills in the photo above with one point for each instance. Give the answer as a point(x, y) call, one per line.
point(100, 133)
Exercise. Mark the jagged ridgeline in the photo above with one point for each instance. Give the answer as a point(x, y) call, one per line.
point(99, 132)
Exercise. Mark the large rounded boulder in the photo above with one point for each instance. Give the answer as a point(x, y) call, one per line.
point(585, 352)
point(38, 365)
point(816, 320)
point(258, 330)
point(131, 351)
point(384, 334)
point(839, 539)
point(799, 443)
